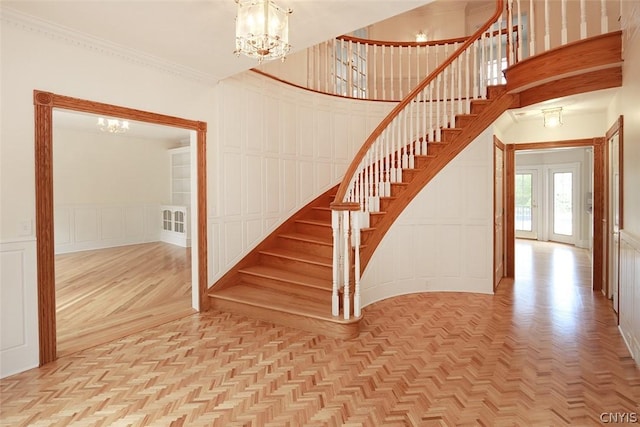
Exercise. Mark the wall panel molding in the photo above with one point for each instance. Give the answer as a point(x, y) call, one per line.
point(629, 292)
point(18, 287)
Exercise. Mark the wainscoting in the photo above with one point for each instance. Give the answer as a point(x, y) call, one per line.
point(87, 227)
point(18, 293)
point(630, 292)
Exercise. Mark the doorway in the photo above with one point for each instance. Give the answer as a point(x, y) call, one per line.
point(44, 103)
point(592, 201)
point(116, 270)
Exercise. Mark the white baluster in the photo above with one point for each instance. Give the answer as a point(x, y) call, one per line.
point(459, 91)
point(438, 102)
point(327, 77)
point(563, 13)
point(347, 264)
point(335, 227)
point(510, 51)
point(520, 34)
point(452, 68)
point(491, 72)
point(355, 237)
point(349, 63)
point(400, 76)
point(583, 20)
point(384, 65)
point(391, 82)
point(547, 31)
point(332, 77)
point(604, 19)
point(375, 71)
point(387, 163)
point(431, 128)
point(467, 84)
point(532, 29)
point(475, 68)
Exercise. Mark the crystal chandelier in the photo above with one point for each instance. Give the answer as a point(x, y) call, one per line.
point(262, 30)
point(112, 125)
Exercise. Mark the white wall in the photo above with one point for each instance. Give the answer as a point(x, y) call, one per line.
point(626, 104)
point(280, 147)
point(108, 189)
point(575, 126)
point(443, 241)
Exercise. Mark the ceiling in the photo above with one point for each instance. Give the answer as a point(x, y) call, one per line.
point(198, 35)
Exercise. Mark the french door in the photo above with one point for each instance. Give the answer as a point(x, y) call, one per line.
point(526, 195)
point(563, 196)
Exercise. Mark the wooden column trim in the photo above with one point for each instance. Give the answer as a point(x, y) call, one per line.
point(510, 207)
point(598, 211)
point(44, 103)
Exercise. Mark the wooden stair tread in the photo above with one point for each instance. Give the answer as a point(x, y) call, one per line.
point(297, 256)
point(314, 222)
point(287, 276)
point(305, 302)
point(320, 240)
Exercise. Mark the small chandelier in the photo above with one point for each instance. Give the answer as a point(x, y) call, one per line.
point(552, 117)
point(112, 125)
point(262, 30)
point(421, 37)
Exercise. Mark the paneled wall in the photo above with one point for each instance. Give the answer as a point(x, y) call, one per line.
point(443, 240)
point(18, 312)
point(279, 148)
point(630, 292)
point(95, 226)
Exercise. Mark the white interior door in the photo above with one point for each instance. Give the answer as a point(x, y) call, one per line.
point(526, 195)
point(563, 205)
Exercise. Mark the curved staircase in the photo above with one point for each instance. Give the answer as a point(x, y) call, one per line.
point(287, 279)
point(292, 277)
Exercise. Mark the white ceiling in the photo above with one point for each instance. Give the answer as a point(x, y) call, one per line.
point(200, 34)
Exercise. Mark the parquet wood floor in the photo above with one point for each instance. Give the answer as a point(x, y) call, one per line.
point(544, 351)
point(106, 294)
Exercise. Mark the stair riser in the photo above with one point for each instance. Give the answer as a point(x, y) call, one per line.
point(306, 247)
point(408, 175)
point(478, 107)
point(464, 120)
point(321, 271)
point(277, 284)
point(314, 230)
point(434, 148)
point(448, 135)
point(421, 162)
point(315, 326)
point(320, 215)
point(375, 219)
point(397, 189)
point(385, 203)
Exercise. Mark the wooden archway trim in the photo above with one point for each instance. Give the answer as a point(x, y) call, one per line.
point(598, 199)
point(44, 103)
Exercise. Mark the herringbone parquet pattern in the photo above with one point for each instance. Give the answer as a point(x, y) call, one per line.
point(544, 351)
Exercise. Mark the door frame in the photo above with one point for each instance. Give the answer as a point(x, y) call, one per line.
point(598, 144)
point(44, 103)
point(616, 128)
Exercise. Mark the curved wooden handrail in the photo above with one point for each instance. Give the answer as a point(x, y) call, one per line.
point(441, 42)
point(346, 181)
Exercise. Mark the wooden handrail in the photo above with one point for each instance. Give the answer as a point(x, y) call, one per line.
point(346, 181)
point(441, 42)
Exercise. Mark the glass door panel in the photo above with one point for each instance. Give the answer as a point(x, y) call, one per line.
point(525, 194)
point(562, 206)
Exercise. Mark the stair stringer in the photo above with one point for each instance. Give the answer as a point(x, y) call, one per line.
point(496, 107)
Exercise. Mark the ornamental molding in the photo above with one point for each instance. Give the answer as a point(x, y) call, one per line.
point(85, 41)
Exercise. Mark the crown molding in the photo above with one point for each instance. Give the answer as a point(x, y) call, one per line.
point(69, 36)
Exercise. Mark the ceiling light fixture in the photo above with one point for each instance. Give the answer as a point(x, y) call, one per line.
point(421, 37)
point(552, 117)
point(262, 30)
point(112, 125)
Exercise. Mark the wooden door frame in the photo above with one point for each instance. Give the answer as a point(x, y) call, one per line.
point(499, 145)
point(44, 103)
point(598, 145)
point(616, 127)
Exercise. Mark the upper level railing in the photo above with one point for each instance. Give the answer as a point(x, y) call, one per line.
point(385, 70)
point(432, 106)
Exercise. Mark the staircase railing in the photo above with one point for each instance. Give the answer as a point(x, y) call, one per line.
point(428, 110)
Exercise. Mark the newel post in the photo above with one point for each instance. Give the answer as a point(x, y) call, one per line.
point(342, 215)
